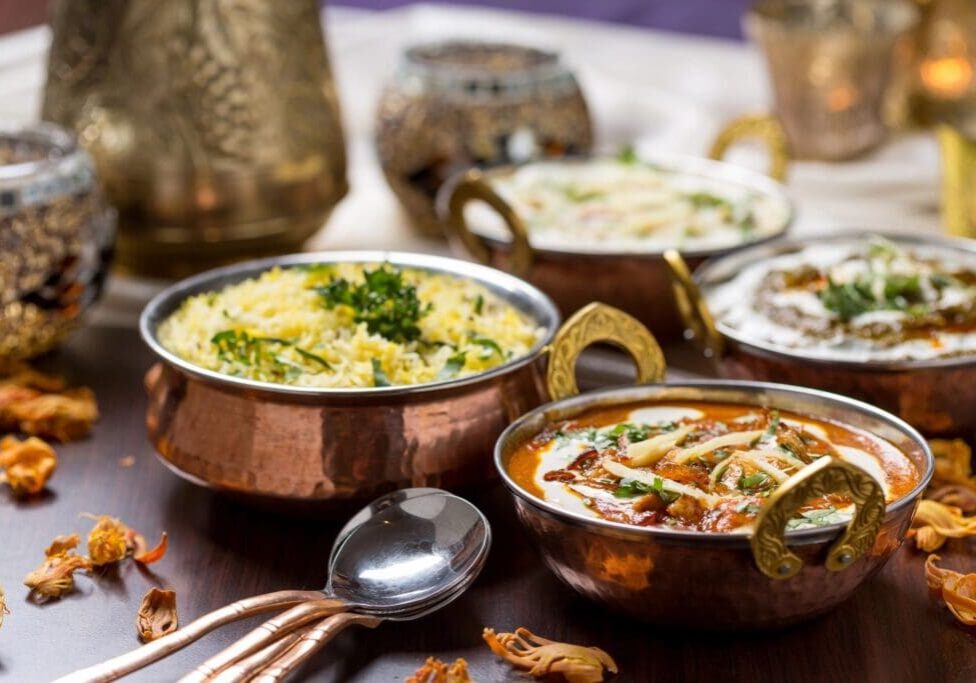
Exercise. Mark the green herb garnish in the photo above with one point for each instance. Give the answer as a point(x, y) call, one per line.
point(313, 357)
point(821, 517)
point(627, 155)
point(489, 344)
point(262, 353)
point(631, 487)
point(453, 366)
point(380, 378)
point(479, 304)
point(757, 480)
point(388, 306)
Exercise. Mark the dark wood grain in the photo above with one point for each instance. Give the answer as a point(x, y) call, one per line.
point(222, 550)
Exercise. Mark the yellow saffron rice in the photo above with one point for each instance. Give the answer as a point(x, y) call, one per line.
point(282, 329)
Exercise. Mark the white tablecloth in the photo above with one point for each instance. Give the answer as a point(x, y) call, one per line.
point(667, 91)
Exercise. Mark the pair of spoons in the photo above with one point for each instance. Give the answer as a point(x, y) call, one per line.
point(405, 555)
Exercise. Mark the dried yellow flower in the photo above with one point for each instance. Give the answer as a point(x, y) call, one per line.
point(958, 495)
point(935, 522)
point(55, 576)
point(107, 541)
point(27, 464)
point(541, 657)
point(436, 671)
point(65, 416)
point(958, 591)
point(953, 463)
point(157, 615)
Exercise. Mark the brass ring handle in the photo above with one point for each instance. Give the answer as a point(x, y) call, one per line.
point(692, 307)
point(473, 186)
point(766, 128)
point(823, 476)
point(594, 323)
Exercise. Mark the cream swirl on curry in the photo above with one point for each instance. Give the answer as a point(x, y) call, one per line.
point(859, 299)
point(697, 466)
point(625, 205)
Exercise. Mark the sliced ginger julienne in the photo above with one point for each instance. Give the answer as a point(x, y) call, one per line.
point(958, 591)
point(935, 522)
point(541, 657)
point(157, 615)
point(26, 465)
point(55, 577)
point(436, 671)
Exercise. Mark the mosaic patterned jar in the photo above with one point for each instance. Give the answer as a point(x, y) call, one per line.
point(56, 235)
point(460, 104)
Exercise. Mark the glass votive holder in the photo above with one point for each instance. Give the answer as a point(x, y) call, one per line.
point(56, 237)
point(829, 63)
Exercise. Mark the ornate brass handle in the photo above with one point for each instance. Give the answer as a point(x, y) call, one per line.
point(594, 323)
point(692, 307)
point(766, 128)
point(472, 186)
point(823, 476)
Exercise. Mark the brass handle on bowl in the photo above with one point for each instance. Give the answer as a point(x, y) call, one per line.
point(692, 307)
point(766, 128)
point(473, 186)
point(823, 476)
point(594, 323)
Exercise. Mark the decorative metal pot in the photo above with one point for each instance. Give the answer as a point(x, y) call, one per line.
point(214, 126)
point(461, 104)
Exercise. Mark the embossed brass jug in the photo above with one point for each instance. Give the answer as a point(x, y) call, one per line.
point(214, 125)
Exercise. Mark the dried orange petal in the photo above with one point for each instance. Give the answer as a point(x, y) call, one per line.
point(27, 464)
point(958, 591)
point(107, 541)
point(541, 657)
point(958, 495)
point(144, 556)
point(19, 373)
point(934, 522)
point(953, 462)
point(62, 544)
point(157, 615)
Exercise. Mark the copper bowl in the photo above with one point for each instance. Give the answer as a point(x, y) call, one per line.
point(935, 396)
point(768, 578)
point(313, 445)
point(635, 282)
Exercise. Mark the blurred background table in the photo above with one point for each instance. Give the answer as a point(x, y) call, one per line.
point(671, 92)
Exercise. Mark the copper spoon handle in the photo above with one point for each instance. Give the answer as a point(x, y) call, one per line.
point(245, 669)
point(313, 640)
point(136, 659)
point(264, 635)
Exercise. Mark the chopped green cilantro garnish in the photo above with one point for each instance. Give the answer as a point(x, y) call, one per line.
point(380, 378)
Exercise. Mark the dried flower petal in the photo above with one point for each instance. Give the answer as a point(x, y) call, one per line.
point(137, 545)
point(436, 671)
point(19, 373)
point(107, 541)
point(958, 591)
point(55, 576)
point(935, 522)
point(65, 416)
point(62, 544)
point(953, 463)
point(27, 464)
point(157, 615)
point(541, 657)
point(3, 606)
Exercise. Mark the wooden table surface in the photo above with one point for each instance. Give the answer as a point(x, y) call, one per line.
point(221, 550)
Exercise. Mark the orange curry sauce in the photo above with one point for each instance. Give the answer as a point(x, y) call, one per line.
point(706, 467)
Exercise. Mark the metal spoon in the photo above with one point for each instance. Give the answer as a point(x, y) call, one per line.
point(401, 562)
point(405, 550)
point(276, 661)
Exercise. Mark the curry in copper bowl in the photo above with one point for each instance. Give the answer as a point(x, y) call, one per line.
point(722, 504)
point(888, 319)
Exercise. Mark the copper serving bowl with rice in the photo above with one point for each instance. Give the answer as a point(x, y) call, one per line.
point(888, 319)
point(714, 504)
point(339, 376)
point(595, 228)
